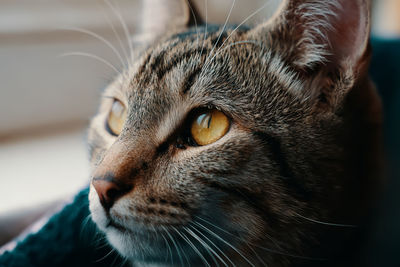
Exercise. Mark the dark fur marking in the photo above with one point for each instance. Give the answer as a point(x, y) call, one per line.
point(145, 166)
point(218, 40)
point(162, 70)
point(161, 149)
point(188, 83)
point(134, 172)
point(273, 145)
point(146, 61)
point(157, 60)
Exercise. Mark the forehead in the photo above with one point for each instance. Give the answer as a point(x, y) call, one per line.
point(191, 69)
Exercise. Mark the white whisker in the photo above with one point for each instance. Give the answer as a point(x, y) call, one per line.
point(124, 262)
point(175, 245)
point(206, 64)
point(260, 247)
point(83, 54)
point(195, 21)
point(100, 38)
point(184, 237)
point(100, 242)
point(116, 34)
point(169, 250)
point(108, 254)
point(326, 223)
point(216, 247)
point(225, 242)
point(85, 222)
point(123, 24)
point(209, 250)
point(205, 29)
point(244, 21)
point(223, 29)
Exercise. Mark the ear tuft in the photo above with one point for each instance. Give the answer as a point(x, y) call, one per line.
point(315, 22)
point(321, 31)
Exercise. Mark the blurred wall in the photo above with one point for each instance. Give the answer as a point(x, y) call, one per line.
point(38, 88)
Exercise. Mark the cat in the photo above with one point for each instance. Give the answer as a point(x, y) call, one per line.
point(240, 146)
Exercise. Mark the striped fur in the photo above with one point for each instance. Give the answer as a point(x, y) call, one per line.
point(296, 169)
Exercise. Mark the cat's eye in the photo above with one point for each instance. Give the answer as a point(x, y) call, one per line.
point(209, 126)
point(116, 117)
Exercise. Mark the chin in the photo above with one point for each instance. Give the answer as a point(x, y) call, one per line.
point(158, 243)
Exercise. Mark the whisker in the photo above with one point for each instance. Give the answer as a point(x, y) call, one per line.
point(326, 223)
point(85, 222)
point(204, 244)
point(206, 64)
point(260, 247)
point(113, 262)
point(205, 29)
point(216, 247)
point(100, 38)
point(184, 237)
point(256, 254)
point(175, 245)
point(87, 231)
point(225, 242)
point(244, 21)
point(108, 254)
point(101, 243)
point(223, 29)
point(123, 24)
point(90, 56)
point(124, 262)
point(169, 250)
point(195, 20)
point(116, 34)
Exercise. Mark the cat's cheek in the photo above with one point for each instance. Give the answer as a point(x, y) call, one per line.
point(96, 210)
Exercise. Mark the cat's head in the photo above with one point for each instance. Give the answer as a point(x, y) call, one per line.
point(238, 145)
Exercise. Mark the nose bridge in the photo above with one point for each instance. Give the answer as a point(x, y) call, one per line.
point(124, 159)
point(119, 169)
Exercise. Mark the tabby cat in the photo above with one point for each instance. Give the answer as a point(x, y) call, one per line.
point(239, 146)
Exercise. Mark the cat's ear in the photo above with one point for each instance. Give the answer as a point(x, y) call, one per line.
point(160, 16)
point(320, 32)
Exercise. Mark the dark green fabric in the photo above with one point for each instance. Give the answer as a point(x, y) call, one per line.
point(69, 239)
point(385, 71)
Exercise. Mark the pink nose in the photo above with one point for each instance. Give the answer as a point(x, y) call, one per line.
point(109, 190)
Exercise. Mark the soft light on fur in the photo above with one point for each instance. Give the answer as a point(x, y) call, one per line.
point(297, 170)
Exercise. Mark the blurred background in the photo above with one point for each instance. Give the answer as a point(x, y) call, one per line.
point(56, 56)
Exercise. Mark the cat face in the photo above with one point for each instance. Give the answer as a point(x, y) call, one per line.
point(233, 145)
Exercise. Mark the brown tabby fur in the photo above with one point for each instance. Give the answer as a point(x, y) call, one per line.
point(301, 155)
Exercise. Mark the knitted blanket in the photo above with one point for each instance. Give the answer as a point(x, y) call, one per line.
point(69, 238)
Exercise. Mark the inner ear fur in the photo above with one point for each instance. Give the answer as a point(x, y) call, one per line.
point(322, 40)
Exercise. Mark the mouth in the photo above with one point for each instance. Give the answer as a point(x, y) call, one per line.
point(155, 243)
point(112, 224)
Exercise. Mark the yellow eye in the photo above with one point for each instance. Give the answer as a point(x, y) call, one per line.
point(116, 117)
point(209, 126)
